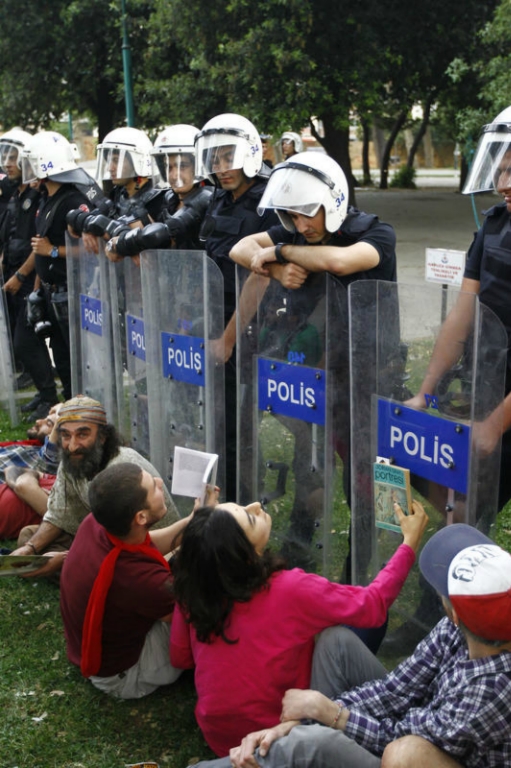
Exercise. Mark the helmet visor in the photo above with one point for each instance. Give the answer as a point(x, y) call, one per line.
point(29, 174)
point(114, 165)
point(491, 167)
point(9, 154)
point(293, 189)
point(178, 170)
point(221, 151)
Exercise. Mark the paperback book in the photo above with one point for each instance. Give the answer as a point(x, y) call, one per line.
point(391, 483)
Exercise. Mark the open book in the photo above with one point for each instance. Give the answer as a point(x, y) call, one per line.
point(194, 472)
point(391, 483)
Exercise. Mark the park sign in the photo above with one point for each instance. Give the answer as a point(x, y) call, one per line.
point(444, 266)
point(430, 446)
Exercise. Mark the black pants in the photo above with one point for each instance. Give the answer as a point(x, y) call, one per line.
point(29, 349)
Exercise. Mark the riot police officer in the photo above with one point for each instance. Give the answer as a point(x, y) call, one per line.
point(51, 160)
point(180, 222)
point(17, 227)
point(229, 154)
point(125, 168)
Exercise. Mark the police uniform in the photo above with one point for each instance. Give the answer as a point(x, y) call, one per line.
point(489, 262)
point(184, 223)
point(301, 306)
point(16, 231)
point(51, 223)
point(227, 221)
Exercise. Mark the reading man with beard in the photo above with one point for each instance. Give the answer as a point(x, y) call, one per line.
point(88, 444)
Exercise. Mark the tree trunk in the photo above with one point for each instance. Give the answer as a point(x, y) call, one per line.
point(105, 109)
point(336, 143)
point(420, 133)
point(366, 168)
point(384, 171)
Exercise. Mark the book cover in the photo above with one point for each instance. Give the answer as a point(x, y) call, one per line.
point(390, 483)
point(194, 471)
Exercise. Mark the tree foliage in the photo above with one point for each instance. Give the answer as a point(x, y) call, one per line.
point(279, 62)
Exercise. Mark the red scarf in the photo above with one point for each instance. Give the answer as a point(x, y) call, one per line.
point(92, 632)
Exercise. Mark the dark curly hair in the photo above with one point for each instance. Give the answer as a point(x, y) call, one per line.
point(215, 567)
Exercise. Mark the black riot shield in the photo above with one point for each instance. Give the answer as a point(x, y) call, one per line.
point(420, 398)
point(7, 369)
point(294, 415)
point(183, 316)
point(93, 370)
point(129, 352)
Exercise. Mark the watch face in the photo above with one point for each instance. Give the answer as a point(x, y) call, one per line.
point(54, 252)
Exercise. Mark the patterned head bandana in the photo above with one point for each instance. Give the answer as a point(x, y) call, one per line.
point(82, 408)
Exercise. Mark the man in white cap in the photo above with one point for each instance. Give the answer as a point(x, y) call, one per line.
point(446, 706)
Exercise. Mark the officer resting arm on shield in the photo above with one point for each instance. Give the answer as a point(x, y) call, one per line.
point(187, 200)
point(319, 232)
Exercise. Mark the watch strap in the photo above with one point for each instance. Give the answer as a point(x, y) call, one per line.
point(279, 255)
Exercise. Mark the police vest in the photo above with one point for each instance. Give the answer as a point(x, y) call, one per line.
point(18, 228)
point(226, 222)
point(495, 273)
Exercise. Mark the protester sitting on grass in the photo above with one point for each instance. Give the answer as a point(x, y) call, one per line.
point(27, 474)
point(248, 625)
point(116, 586)
point(446, 706)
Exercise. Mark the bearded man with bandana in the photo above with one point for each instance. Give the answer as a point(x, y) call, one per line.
point(88, 444)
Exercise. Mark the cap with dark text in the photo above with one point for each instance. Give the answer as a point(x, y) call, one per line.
point(479, 585)
point(438, 553)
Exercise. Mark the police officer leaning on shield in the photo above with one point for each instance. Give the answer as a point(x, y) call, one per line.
point(319, 232)
point(125, 168)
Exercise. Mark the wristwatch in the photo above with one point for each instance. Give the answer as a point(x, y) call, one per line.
point(278, 253)
point(54, 253)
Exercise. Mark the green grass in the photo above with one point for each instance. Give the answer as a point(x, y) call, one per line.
point(53, 718)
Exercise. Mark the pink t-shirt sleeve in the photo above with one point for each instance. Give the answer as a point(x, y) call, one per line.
point(328, 604)
point(181, 655)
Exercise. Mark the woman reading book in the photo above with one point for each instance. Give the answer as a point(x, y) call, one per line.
point(247, 625)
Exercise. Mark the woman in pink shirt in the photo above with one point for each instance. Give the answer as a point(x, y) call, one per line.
point(247, 625)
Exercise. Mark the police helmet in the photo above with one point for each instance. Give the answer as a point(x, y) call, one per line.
point(491, 166)
point(295, 137)
point(11, 145)
point(231, 140)
point(175, 146)
point(124, 153)
point(49, 155)
point(302, 185)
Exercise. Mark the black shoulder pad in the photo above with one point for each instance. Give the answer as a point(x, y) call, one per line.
point(357, 222)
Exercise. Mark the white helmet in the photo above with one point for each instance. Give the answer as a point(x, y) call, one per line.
point(489, 162)
point(239, 135)
point(178, 141)
point(303, 184)
point(124, 153)
point(49, 155)
point(292, 136)
point(14, 140)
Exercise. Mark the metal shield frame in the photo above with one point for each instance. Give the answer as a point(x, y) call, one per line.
point(292, 363)
point(93, 370)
